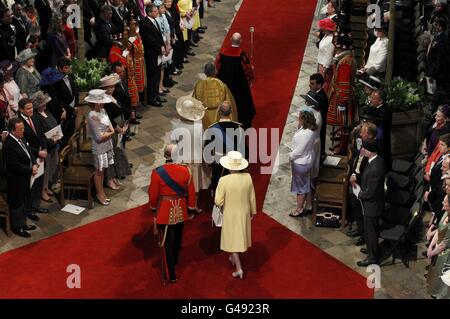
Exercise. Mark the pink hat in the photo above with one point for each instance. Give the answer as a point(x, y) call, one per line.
point(326, 24)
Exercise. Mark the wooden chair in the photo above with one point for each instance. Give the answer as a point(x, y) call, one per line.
point(4, 213)
point(84, 145)
point(80, 158)
point(74, 177)
point(332, 188)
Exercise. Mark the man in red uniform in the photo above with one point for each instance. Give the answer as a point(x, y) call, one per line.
point(171, 194)
point(236, 71)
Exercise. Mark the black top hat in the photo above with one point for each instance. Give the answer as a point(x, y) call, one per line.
point(312, 97)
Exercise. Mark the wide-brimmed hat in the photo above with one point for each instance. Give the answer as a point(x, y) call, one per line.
point(109, 80)
point(190, 108)
point(97, 96)
point(50, 76)
point(311, 97)
point(25, 55)
point(9, 67)
point(371, 81)
point(234, 161)
point(40, 98)
point(326, 24)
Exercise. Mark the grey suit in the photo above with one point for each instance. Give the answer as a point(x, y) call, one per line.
point(372, 198)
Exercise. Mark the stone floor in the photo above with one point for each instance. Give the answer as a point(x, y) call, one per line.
point(145, 150)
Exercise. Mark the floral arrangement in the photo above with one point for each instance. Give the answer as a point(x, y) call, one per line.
point(88, 74)
point(403, 95)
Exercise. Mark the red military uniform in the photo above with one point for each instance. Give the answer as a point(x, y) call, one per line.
point(171, 208)
point(341, 93)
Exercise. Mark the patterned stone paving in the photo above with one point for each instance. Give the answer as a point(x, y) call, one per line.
point(145, 150)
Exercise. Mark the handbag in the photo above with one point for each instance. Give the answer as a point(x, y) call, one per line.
point(327, 220)
point(217, 216)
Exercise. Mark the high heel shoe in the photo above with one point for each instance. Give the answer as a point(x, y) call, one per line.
point(105, 203)
point(239, 273)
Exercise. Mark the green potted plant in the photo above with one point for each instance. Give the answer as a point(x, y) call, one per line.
point(87, 74)
point(405, 100)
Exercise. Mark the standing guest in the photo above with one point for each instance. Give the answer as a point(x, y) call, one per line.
point(235, 194)
point(178, 45)
point(91, 10)
point(371, 196)
point(67, 94)
point(187, 21)
point(376, 62)
point(44, 12)
point(379, 112)
point(35, 136)
point(103, 33)
point(10, 87)
point(119, 117)
point(153, 48)
point(69, 33)
point(118, 18)
point(27, 76)
point(101, 132)
point(19, 21)
point(440, 126)
point(301, 159)
point(316, 82)
point(33, 21)
point(48, 122)
point(171, 196)
point(188, 135)
point(8, 36)
point(20, 166)
point(57, 41)
point(326, 50)
point(235, 70)
point(166, 59)
point(212, 92)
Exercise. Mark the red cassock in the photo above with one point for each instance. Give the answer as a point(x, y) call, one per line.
point(341, 93)
point(171, 208)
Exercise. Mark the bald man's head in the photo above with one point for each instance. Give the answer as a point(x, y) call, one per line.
point(168, 150)
point(225, 109)
point(236, 39)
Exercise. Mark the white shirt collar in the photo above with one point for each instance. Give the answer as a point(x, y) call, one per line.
point(371, 159)
point(380, 105)
point(235, 46)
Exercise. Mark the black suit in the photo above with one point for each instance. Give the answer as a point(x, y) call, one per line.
point(21, 32)
point(103, 31)
point(45, 14)
point(65, 96)
point(153, 42)
point(323, 104)
point(18, 174)
point(173, 17)
point(372, 199)
point(119, 17)
point(91, 9)
point(7, 42)
point(36, 141)
point(437, 193)
point(123, 99)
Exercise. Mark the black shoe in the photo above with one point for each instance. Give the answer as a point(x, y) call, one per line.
point(154, 103)
point(204, 27)
point(131, 165)
point(41, 210)
point(190, 53)
point(199, 30)
point(134, 121)
point(21, 232)
point(425, 254)
point(185, 61)
point(132, 134)
point(29, 227)
point(162, 93)
point(127, 138)
point(360, 242)
point(33, 217)
point(364, 251)
point(176, 72)
point(138, 117)
point(194, 45)
point(354, 233)
point(161, 100)
point(366, 262)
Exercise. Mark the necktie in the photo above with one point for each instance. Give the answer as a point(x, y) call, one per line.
point(22, 144)
point(31, 124)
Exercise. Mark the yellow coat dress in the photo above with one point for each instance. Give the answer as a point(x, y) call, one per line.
point(236, 195)
point(211, 92)
point(185, 6)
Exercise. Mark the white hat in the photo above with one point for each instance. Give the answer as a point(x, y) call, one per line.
point(234, 161)
point(190, 108)
point(109, 80)
point(97, 96)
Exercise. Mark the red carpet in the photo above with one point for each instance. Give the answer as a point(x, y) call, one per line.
point(119, 257)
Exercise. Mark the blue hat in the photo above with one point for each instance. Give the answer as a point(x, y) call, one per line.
point(50, 76)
